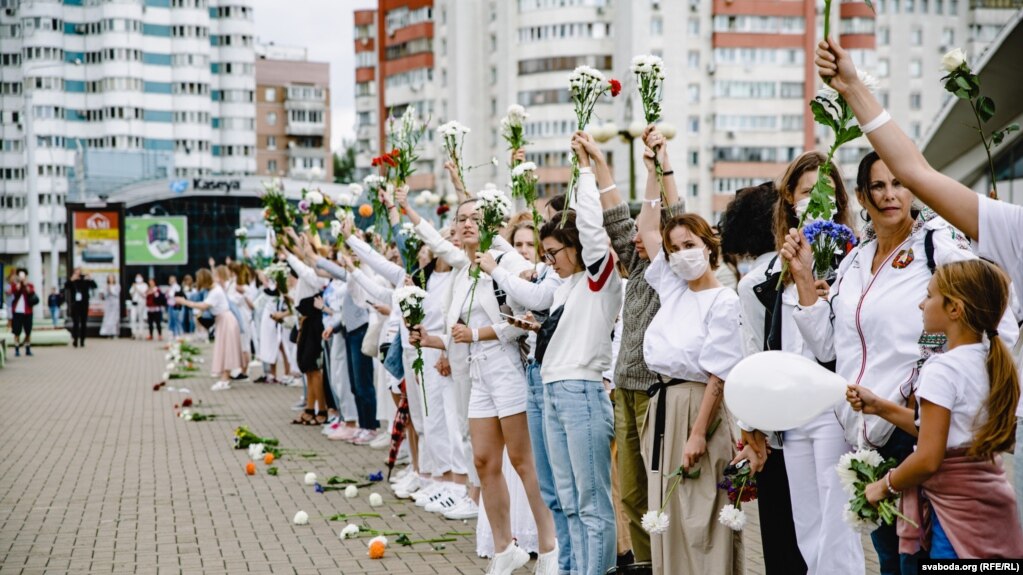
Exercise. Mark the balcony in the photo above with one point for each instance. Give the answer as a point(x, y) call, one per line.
point(305, 128)
point(318, 105)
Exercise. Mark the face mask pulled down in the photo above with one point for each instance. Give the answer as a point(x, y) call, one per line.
point(689, 264)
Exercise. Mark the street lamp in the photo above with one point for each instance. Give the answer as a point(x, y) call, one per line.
point(605, 132)
point(35, 258)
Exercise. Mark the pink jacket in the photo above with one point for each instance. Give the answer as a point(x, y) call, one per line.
point(976, 507)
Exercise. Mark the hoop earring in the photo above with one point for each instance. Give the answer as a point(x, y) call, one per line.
point(864, 215)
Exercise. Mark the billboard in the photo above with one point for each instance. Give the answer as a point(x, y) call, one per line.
point(96, 245)
point(156, 241)
point(256, 244)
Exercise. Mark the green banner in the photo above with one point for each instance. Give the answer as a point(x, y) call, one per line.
point(156, 241)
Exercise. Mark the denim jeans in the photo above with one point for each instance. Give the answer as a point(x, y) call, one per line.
point(174, 320)
point(360, 374)
point(55, 316)
point(579, 425)
point(544, 473)
point(885, 538)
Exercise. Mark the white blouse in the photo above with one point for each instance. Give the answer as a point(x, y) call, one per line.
point(958, 381)
point(217, 300)
point(695, 334)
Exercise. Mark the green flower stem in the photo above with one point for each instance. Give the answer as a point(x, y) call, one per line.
point(659, 170)
point(987, 147)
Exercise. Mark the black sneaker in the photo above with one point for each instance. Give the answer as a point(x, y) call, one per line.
point(260, 379)
point(240, 376)
point(28, 350)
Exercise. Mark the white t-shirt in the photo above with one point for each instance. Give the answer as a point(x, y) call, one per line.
point(694, 334)
point(217, 300)
point(958, 381)
point(1001, 239)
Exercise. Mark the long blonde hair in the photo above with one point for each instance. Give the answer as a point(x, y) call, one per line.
point(982, 291)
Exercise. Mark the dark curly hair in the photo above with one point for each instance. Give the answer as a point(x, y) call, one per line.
point(565, 233)
point(746, 226)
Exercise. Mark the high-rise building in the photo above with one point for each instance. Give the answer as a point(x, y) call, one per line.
point(739, 75)
point(115, 92)
point(292, 115)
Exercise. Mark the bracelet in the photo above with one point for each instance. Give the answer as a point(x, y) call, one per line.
point(475, 335)
point(585, 170)
point(608, 189)
point(883, 118)
point(668, 173)
point(888, 484)
point(653, 203)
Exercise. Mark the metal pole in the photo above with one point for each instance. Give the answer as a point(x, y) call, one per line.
point(35, 258)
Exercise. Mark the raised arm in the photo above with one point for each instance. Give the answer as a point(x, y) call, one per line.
point(391, 271)
point(648, 223)
point(336, 271)
point(949, 198)
point(401, 196)
point(456, 182)
point(441, 247)
point(596, 252)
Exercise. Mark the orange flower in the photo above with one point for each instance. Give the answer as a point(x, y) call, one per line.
point(268, 458)
point(319, 225)
point(376, 549)
point(365, 210)
point(250, 468)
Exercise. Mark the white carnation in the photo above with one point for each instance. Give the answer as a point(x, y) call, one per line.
point(314, 198)
point(301, 518)
point(522, 168)
point(310, 478)
point(345, 199)
point(732, 517)
point(335, 229)
point(349, 532)
point(375, 500)
point(355, 190)
point(516, 115)
point(351, 491)
point(655, 522)
point(256, 451)
point(241, 233)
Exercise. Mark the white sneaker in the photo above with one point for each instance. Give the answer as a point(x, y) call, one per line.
point(408, 489)
point(401, 474)
point(382, 441)
point(467, 509)
point(428, 488)
point(547, 563)
point(507, 561)
point(437, 492)
point(220, 386)
point(449, 498)
point(405, 483)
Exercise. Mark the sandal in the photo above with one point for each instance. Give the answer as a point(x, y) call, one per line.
point(323, 415)
point(307, 418)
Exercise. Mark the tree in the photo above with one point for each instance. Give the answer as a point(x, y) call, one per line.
point(344, 164)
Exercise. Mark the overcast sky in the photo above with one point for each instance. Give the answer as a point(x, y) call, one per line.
point(325, 28)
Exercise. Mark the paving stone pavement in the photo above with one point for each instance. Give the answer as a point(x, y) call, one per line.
point(100, 476)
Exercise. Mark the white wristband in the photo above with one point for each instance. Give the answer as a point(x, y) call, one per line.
point(608, 189)
point(883, 118)
point(653, 203)
point(585, 170)
point(475, 335)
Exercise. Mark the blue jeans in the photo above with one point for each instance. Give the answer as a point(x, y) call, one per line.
point(544, 473)
point(55, 316)
point(360, 374)
point(885, 538)
point(579, 425)
point(174, 320)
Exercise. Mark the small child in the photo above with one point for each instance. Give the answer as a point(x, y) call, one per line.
point(967, 398)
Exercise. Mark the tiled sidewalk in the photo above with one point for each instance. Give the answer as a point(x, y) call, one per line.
point(99, 476)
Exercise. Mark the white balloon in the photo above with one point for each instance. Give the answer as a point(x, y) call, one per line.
point(778, 390)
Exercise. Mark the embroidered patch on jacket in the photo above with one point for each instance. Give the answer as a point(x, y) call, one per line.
point(904, 258)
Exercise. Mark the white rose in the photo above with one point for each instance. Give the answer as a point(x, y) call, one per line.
point(310, 478)
point(951, 61)
point(350, 531)
point(301, 518)
point(351, 491)
point(315, 198)
point(375, 500)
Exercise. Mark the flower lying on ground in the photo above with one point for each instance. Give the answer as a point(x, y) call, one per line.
point(310, 478)
point(375, 500)
point(350, 531)
point(256, 451)
point(377, 546)
point(301, 518)
point(351, 491)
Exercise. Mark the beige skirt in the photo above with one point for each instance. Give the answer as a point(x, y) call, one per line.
point(227, 346)
point(695, 542)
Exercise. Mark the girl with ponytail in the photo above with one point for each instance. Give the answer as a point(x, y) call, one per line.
point(968, 399)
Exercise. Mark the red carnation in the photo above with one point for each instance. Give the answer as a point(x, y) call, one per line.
point(187, 402)
point(390, 161)
point(395, 153)
point(616, 87)
point(443, 209)
point(375, 162)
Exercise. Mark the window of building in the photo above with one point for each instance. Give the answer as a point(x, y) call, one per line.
point(915, 68)
point(656, 26)
point(883, 36)
point(693, 59)
point(694, 124)
point(948, 37)
point(270, 95)
point(917, 36)
point(271, 142)
point(693, 91)
point(915, 101)
point(271, 166)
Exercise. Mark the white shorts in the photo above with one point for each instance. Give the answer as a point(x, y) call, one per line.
point(498, 383)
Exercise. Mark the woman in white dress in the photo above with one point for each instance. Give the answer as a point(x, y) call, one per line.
point(111, 296)
point(137, 293)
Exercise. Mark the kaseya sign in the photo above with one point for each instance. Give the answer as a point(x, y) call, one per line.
point(226, 186)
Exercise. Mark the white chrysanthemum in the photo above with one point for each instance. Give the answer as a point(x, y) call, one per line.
point(846, 475)
point(241, 233)
point(372, 181)
point(858, 523)
point(378, 538)
point(355, 190)
point(335, 229)
point(301, 518)
point(310, 478)
point(313, 197)
point(345, 199)
point(411, 295)
point(522, 168)
point(165, 376)
point(655, 522)
point(351, 491)
point(375, 500)
point(870, 457)
point(349, 532)
point(732, 517)
point(516, 115)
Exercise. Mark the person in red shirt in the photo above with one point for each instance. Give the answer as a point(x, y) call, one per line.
point(23, 297)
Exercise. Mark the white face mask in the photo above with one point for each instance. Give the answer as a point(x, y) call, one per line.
point(689, 264)
point(801, 206)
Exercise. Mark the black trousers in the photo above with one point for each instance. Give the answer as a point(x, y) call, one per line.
point(155, 321)
point(79, 318)
point(777, 530)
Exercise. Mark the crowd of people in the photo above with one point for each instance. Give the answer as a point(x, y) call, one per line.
point(557, 390)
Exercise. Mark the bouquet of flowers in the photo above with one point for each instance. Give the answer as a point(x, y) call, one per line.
point(741, 484)
point(961, 82)
point(827, 239)
point(374, 183)
point(243, 438)
point(278, 272)
point(856, 470)
point(511, 128)
point(523, 184)
point(410, 301)
point(494, 208)
point(453, 139)
point(586, 86)
point(410, 250)
point(405, 134)
point(242, 235)
point(278, 213)
point(649, 71)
